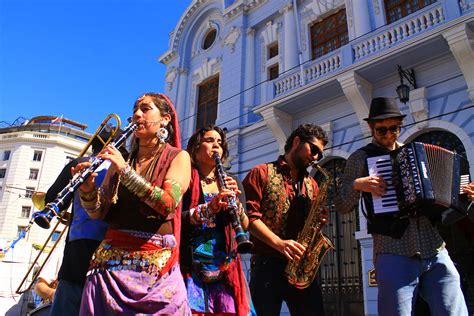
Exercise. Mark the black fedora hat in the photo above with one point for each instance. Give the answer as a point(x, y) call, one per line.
point(383, 108)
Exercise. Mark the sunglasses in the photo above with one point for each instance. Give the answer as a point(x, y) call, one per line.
point(315, 151)
point(382, 131)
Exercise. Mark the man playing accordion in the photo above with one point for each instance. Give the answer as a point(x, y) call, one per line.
point(409, 254)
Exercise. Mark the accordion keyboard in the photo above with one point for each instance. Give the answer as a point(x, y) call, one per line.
point(464, 181)
point(381, 166)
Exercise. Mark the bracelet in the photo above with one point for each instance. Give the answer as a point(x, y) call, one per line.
point(88, 196)
point(209, 207)
point(135, 183)
point(194, 217)
point(125, 170)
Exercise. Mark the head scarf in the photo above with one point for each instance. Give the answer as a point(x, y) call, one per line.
point(176, 141)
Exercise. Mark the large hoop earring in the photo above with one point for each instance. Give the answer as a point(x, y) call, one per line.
point(162, 135)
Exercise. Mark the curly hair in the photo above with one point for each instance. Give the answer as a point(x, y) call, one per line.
point(305, 132)
point(196, 139)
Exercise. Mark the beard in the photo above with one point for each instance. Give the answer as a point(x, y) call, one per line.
point(299, 162)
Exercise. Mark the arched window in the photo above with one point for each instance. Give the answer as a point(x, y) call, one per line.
point(443, 139)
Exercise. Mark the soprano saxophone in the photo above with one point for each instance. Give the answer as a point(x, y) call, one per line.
point(301, 273)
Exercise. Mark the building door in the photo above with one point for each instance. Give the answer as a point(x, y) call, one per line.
point(340, 272)
point(459, 237)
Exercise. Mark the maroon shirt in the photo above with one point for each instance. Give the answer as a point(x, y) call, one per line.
point(255, 184)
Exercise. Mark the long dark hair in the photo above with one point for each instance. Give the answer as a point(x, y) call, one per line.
point(195, 142)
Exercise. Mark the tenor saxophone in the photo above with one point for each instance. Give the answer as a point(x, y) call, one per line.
point(301, 273)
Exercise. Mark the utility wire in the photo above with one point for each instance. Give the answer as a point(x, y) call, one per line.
point(280, 74)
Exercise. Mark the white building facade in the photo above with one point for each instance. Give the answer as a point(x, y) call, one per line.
point(260, 68)
point(31, 157)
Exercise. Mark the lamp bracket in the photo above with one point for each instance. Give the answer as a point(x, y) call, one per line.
point(408, 74)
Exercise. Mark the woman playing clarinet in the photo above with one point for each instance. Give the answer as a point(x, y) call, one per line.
point(210, 264)
point(135, 269)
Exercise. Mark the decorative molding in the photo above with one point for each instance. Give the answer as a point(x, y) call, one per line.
point(461, 42)
point(270, 33)
point(376, 5)
point(320, 7)
point(358, 92)
point(207, 69)
point(251, 31)
point(178, 32)
point(242, 7)
point(419, 106)
point(286, 8)
point(183, 71)
point(466, 5)
point(213, 22)
point(231, 38)
point(279, 123)
point(170, 77)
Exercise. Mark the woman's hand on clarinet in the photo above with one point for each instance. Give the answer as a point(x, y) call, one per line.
point(469, 189)
point(88, 185)
point(231, 184)
point(220, 200)
point(292, 249)
point(371, 184)
point(115, 157)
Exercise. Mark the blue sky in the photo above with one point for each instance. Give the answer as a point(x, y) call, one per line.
point(82, 59)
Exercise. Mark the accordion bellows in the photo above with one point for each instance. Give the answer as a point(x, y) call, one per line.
point(422, 177)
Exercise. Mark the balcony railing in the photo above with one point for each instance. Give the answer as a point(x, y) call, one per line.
point(315, 70)
point(392, 34)
point(374, 43)
point(466, 5)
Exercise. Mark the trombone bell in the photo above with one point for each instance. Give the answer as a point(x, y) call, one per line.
point(38, 199)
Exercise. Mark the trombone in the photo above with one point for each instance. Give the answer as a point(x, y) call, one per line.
point(44, 217)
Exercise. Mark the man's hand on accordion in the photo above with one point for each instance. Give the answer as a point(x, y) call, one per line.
point(469, 189)
point(372, 184)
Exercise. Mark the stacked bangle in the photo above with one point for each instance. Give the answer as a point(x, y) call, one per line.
point(90, 201)
point(135, 183)
point(203, 215)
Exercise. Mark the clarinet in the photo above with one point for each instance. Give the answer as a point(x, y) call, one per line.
point(244, 245)
point(44, 217)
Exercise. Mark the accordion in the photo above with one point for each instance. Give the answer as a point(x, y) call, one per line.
point(421, 177)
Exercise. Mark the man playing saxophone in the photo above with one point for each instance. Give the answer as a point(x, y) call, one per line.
point(279, 196)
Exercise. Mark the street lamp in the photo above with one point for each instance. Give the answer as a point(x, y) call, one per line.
point(403, 90)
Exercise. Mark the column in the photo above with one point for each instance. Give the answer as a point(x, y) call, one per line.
point(181, 98)
point(249, 84)
point(290, 39)
point(361, 18)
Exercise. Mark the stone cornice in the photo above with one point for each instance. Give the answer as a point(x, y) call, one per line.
point(242, 6)
point(172, 52)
